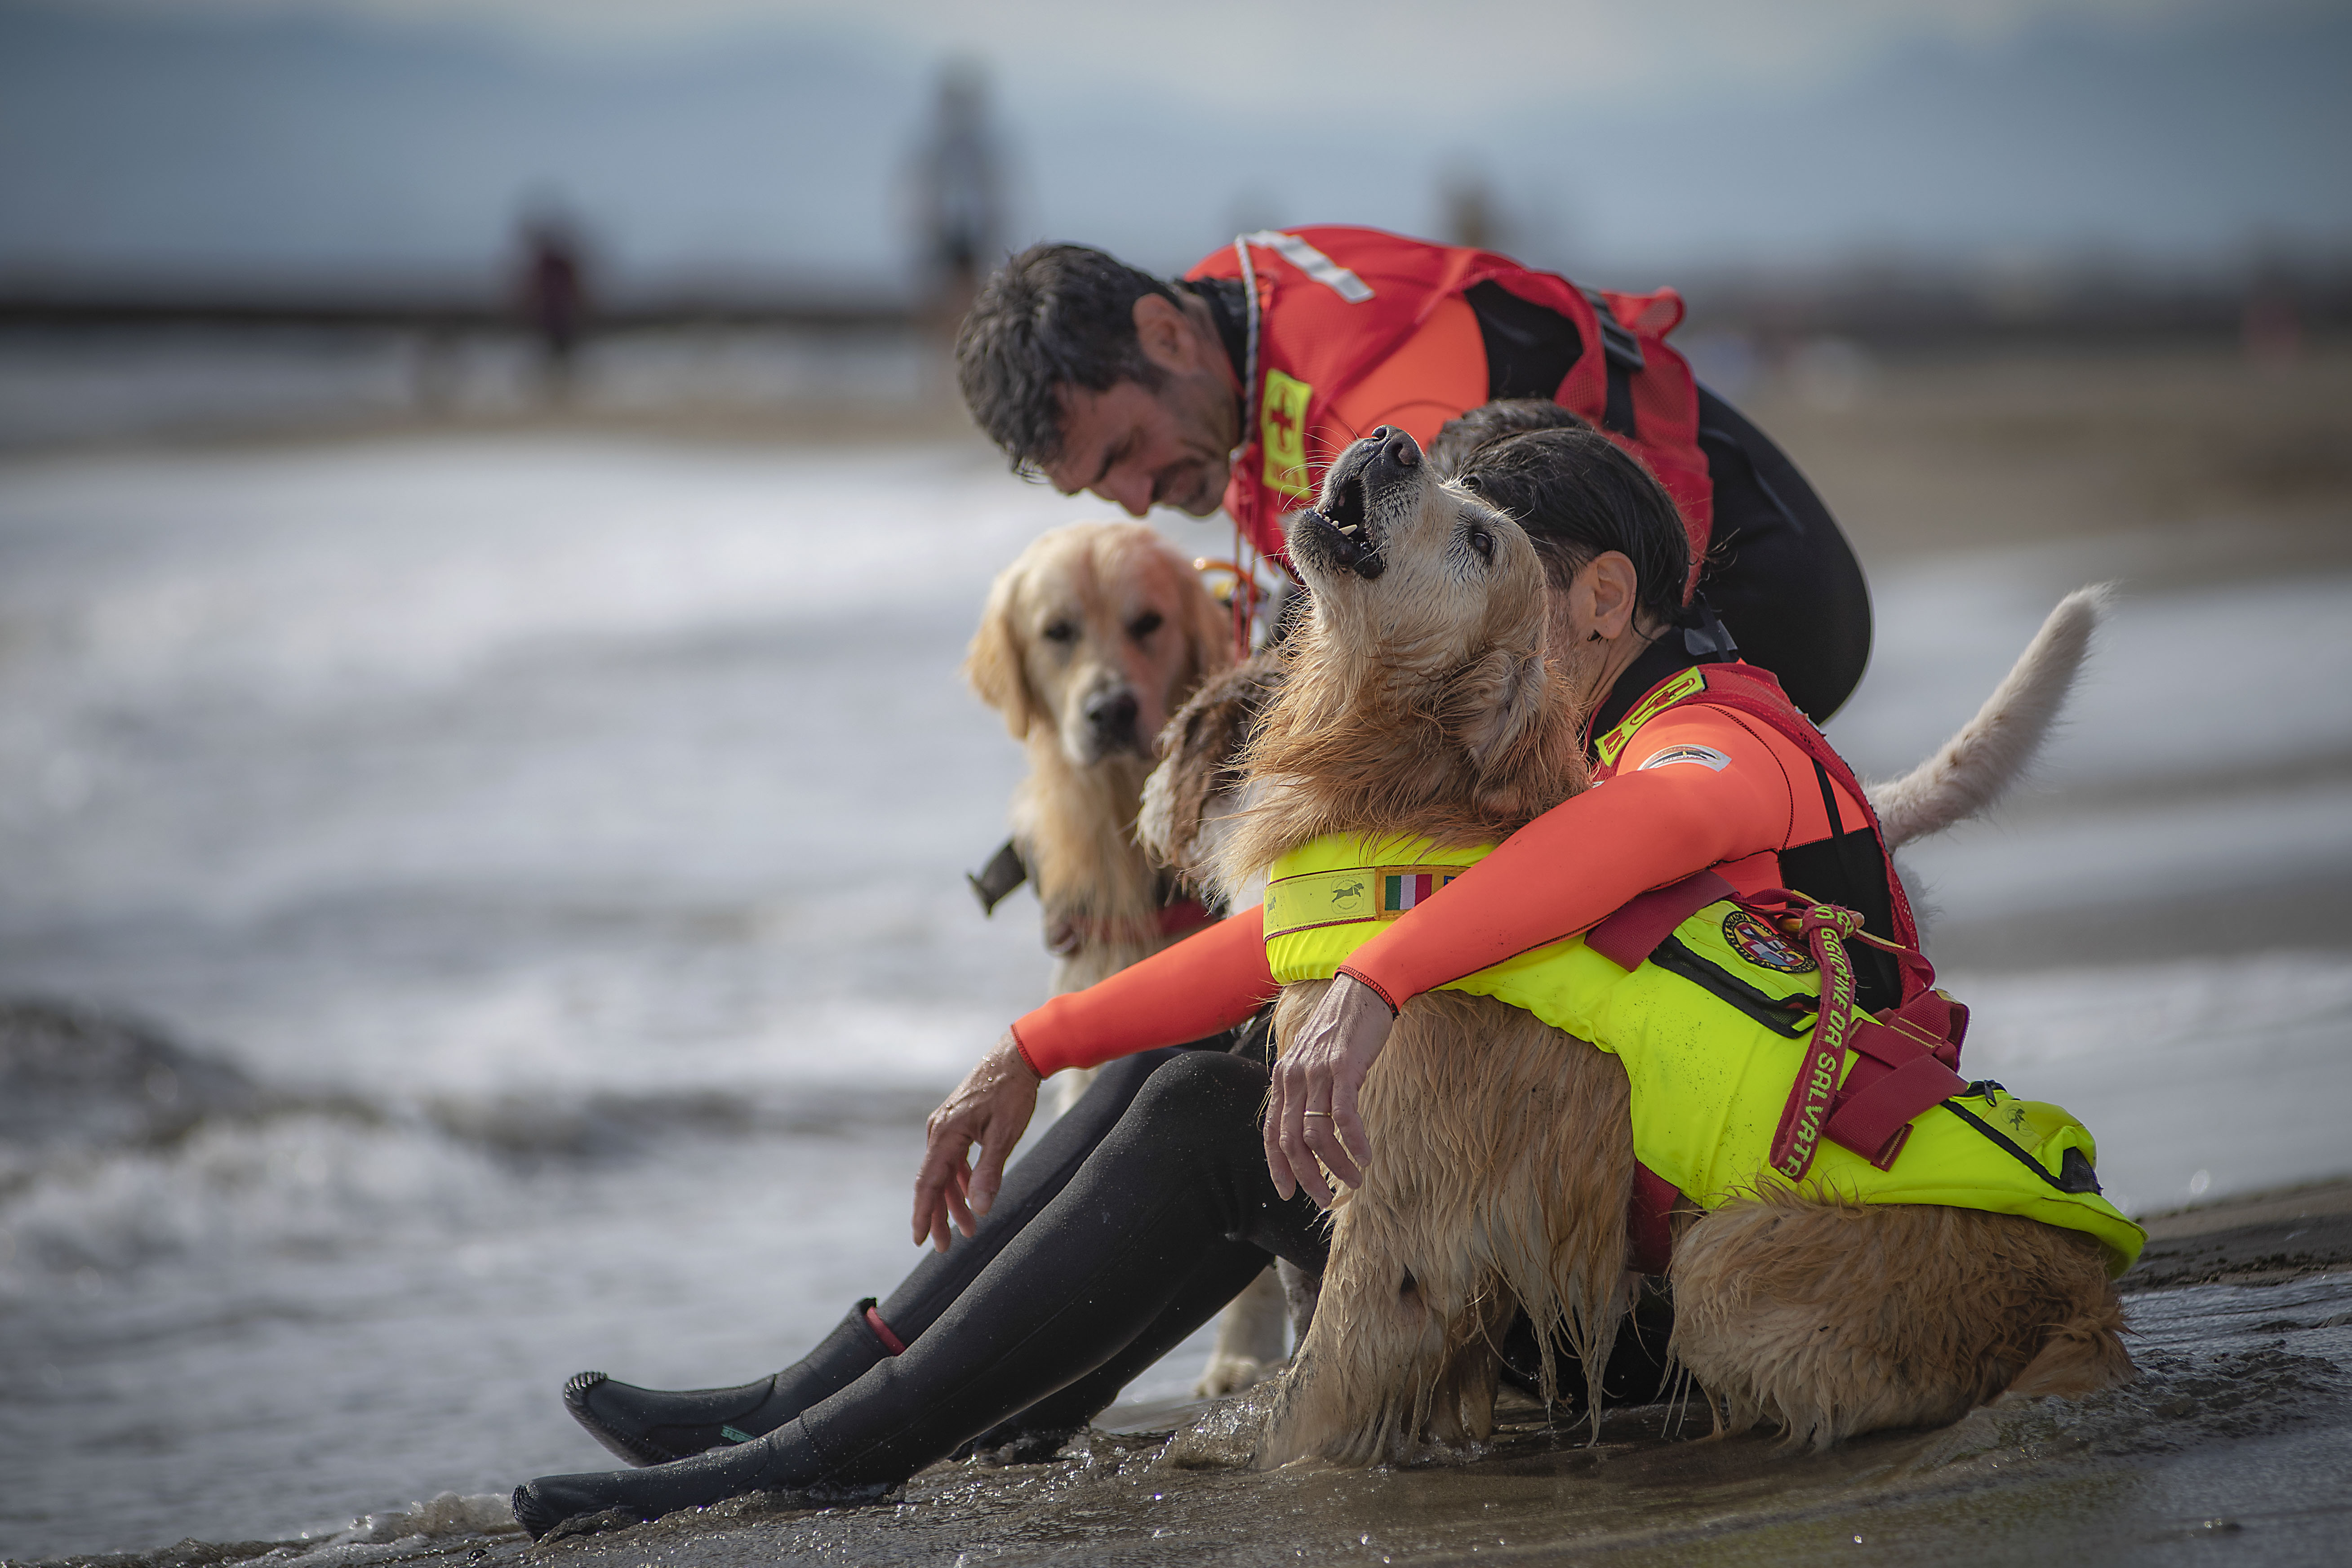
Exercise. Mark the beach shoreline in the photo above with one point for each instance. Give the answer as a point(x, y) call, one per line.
point(2238, 1428)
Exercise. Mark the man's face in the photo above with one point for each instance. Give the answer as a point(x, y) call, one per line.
point(1138, 448)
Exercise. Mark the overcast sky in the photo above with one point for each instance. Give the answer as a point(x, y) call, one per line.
point(773, 137)
point(1457, 58)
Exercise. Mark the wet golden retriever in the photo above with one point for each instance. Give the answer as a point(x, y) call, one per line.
point(1418, 700)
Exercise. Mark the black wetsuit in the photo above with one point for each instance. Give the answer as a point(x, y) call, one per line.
point(1138, 1215)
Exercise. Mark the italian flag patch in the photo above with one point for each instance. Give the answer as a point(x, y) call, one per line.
point(1403, 889)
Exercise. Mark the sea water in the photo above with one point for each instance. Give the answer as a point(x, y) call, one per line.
point(538, 866)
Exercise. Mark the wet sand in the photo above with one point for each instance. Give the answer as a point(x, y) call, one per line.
point(2237, 1438)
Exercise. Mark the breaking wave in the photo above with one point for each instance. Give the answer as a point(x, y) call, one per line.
point(120, 1146)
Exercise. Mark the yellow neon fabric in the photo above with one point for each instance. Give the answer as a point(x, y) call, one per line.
point(1709, 1075)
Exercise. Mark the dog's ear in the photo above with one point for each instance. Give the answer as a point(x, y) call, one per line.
point(1200, 753)
point(1492, 703)
point(1208, 630)
point(993, 663)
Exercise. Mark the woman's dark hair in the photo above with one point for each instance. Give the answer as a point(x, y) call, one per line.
point(1578, 494)
point(1488, 422)
point(1054, 316)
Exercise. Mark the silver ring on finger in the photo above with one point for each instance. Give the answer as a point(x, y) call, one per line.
point(1325, 1114)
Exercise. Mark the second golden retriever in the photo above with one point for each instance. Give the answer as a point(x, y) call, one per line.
point(1090, 639)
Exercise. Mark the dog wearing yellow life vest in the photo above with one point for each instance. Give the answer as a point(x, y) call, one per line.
point(1421, 716)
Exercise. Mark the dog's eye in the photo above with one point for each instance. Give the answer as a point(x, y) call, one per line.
point(1061, 631)
point(1483, 542)
point(1144, 625)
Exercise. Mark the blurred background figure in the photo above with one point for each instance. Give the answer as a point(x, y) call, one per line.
point(960, 179)
point(551, 289)
point(1472, 215)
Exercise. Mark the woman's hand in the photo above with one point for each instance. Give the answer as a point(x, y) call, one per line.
point(992, 1108)
point(1311, 1113)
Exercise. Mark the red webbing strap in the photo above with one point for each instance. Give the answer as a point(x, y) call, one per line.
point(1823, 927)
point(1906, 1053)
point(1650, 1240)
point(1906, 1057)
point(1184, 915)
point(1066, 935)
point(1873, 1120)
point(1904, 1061)
point(1634, 932)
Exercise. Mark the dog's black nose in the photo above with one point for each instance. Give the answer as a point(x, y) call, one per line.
point(1395, 447)
point(1112, 714)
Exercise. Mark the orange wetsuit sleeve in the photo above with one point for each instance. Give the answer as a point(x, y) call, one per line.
point(1210, 981)
point(1430, 377)
point(1732, 796)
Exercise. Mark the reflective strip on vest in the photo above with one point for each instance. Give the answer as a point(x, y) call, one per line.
point(1711, 1041)
point(1314, 263)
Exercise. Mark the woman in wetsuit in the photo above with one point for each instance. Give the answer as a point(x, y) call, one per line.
point(1159, 1198)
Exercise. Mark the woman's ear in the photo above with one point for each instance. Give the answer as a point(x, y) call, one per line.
point(993, 663)
point(1615, 589)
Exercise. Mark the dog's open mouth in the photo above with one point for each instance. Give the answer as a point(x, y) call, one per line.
point(1341, 527)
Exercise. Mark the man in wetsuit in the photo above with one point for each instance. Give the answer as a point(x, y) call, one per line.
point(1155, 1201)
point(1238, 385)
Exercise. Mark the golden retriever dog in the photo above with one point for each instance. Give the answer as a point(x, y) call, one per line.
point(1091, 638)
point(1419, 700)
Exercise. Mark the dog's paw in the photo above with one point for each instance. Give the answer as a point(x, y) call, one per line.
point(1230, 1374)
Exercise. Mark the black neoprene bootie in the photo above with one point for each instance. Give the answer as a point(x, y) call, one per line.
point(657, 1426)
point(782, 1461)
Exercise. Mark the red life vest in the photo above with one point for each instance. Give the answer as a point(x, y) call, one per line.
point(1906, 1055)
point(1335, 302)
point(1753, 691)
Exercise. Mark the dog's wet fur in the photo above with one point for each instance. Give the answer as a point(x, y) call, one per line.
point(1418, 700)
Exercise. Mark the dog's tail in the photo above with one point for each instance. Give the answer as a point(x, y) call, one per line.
point(1993, 751)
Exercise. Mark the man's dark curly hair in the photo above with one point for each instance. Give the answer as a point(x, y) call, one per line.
point(1578, 494)
point(1054, 316)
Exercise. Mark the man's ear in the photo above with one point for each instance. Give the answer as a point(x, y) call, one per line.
point(1165, 333)
point(1491, 705)
point(993, 663)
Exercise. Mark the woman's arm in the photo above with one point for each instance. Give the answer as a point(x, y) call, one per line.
point(1582, 861)
point(1210, 981)
point(1560, 874)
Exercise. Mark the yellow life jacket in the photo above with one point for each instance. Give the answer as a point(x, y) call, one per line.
point(1712, 1028)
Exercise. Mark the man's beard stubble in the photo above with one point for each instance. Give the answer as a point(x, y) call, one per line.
point(1211, 420)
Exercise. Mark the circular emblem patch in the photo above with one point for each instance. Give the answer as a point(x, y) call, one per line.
point(1760, 945)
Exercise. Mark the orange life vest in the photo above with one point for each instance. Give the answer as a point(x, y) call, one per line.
point(1334, 302)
